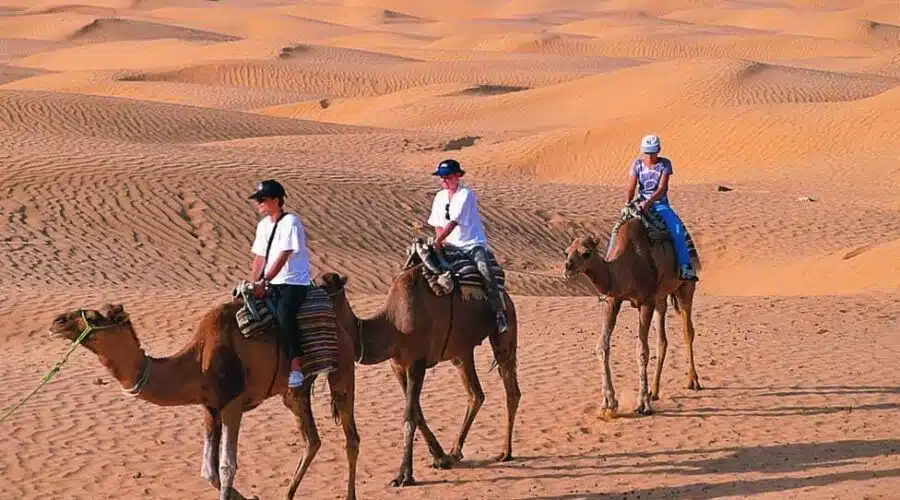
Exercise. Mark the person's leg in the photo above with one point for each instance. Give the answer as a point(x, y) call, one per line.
point(290, 297)
point(676, 230)
point(479, 255)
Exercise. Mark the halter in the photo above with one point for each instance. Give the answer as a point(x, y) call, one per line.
point(89, 329)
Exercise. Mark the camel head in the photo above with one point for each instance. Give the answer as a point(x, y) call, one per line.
point(107, 331)
point(334, 284)
point(579, 253)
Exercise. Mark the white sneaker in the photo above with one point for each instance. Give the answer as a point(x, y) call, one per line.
point(295, 379)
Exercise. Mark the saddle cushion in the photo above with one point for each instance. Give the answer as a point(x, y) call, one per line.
point(453, 268)
point(318, 329)
point(656, 228)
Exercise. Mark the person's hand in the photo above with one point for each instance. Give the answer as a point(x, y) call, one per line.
point(644, 205)
point(259, 289)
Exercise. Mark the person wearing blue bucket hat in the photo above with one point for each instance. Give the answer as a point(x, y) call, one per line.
point(457, 222)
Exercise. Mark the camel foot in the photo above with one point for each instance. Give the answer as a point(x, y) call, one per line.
point(607, 414)
point(693, 385)
point(403, 480)
point(654, 396)
point(443, 462)
point(644, 409)
point(506, 456)
point(457, 456)
point(212, 479)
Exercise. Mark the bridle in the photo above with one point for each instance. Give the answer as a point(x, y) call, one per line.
point(90, 329)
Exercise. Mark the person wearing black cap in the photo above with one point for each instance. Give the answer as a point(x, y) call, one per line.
point(281, 267)
point(456, 222)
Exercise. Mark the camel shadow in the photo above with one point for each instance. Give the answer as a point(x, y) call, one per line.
point(707, 491)
point(779, 459)
point(794, 391)
point(782, 411)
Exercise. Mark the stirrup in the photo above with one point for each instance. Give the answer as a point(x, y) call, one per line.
point(687, 274)
point(295, 379)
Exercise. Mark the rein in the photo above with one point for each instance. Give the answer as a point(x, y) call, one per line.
point(88, 330)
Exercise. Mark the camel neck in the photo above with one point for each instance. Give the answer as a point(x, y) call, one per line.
point(377, 335)
point(601, 275)
point(171, 381)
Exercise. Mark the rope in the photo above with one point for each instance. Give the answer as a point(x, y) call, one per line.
point(50, 374)
point(540, 275)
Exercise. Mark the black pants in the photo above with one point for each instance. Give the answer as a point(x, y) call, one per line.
point(287, 300)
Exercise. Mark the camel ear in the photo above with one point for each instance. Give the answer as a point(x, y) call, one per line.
point(116, 313)
point(343, 280)
point(592, 241)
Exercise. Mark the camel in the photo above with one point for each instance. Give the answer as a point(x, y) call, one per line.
point(416, 329)
point(645, 274)
point(225, 373)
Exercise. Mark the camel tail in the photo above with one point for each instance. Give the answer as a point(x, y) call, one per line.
point(675, 303)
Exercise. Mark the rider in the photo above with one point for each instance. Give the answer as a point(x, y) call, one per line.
point(650, 175)
point(287, 274)
point(457, 223)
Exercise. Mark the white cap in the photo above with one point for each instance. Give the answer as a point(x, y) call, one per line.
point(650, 144)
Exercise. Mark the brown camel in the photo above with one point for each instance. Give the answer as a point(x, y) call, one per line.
point(416, 330)
point(225, 373)
point(645, 274)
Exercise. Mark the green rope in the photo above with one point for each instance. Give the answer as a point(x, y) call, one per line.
point(53, 371)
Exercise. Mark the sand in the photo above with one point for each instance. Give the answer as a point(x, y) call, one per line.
point(131, 133)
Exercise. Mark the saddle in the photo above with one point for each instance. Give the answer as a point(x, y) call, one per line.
point(451, 269)
point(656, 228)
point(316, 319)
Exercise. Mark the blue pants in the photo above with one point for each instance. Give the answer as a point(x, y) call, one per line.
point(676, 229)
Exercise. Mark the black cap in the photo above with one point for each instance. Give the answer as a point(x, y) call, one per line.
point(268, 189)
point(449, 166)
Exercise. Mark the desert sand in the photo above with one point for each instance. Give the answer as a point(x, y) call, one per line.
point(132, 132)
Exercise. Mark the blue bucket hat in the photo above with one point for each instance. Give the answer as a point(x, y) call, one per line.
point(448, 167)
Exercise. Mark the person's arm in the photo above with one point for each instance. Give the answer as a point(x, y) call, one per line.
point(629, 191)
point(256, 265)
point(443, 232)
point(277, 265)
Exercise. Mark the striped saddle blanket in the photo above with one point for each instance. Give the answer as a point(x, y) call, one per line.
point(656, 227)
point(451, 268)
point(316, 319)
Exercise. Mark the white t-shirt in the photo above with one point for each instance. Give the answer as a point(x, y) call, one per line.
point(289, 235)
point(463, 209)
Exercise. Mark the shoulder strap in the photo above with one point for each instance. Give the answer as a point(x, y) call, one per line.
point(269, 245)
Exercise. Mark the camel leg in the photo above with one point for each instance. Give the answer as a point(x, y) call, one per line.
point(661, 345)
point(613, 306)
point(344, 404)
point(466, 367)
point(298, 401)
point(440, 459)
point(643, 356)
point(686, 301)
point(212, 439)
point(415, 376)
point(228, 465)
point(505, 353)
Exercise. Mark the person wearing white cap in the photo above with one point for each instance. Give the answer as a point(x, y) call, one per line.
point(649, 175)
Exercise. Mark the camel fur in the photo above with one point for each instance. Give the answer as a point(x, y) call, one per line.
point(645, 275)
point(416, 329)
point(223, 372)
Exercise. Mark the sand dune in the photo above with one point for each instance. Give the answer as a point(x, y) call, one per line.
point(132, 132)
point(45, 112)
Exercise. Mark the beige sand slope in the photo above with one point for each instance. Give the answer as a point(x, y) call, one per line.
point(131, 132)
